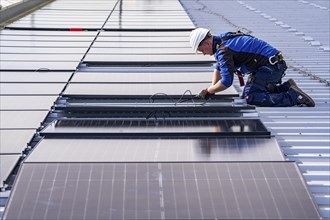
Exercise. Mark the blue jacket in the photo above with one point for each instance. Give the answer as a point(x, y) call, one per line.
point(241, 52)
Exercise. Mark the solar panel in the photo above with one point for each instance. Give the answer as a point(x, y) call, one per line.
point(21, 119)
point(160, 191)
point(4, 32)
point(139, 51)
point(43, 50)
point(32, 65)
point(141, 77)
point(156, 128)
point(31, 88)
point(156, 150)
point(141, 90)
point(14, 141)
point(7, 163)
point(139, 35)
point(41, 76)
point(73, 38)
point(151, 25)
point(44, 44)
point(40, 57)
point(145, 58)
point(26, 102)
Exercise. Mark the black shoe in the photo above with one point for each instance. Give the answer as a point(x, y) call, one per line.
point(292, 83)
point(303, 98)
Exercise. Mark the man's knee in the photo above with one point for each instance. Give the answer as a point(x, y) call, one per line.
point(259, 99)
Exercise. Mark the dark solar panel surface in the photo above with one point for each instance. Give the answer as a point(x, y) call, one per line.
point(160, 191)
point(160, 150)
point(225, 127)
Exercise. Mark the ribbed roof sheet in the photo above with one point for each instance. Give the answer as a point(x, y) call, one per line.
point(300, 29)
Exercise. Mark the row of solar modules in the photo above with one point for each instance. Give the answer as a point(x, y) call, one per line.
point(29, 88)
point(297, 28)
point(123, 14)
point(47, 51)
point(181, 172)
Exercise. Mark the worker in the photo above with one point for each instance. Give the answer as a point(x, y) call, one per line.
point(240, 54)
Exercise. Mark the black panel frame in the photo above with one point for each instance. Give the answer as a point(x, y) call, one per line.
point(99, 122)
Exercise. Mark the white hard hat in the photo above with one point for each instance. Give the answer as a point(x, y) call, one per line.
point(196, 37)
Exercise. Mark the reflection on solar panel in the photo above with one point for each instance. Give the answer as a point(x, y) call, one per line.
point(152, 150)
point(160, 191)
point(225, 127)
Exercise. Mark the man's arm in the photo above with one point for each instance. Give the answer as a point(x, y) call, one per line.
point(218, 87)
point(216, 76)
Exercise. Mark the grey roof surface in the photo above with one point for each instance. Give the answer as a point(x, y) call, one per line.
point(300, 29)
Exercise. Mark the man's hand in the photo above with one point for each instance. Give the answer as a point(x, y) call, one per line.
point(204, 94)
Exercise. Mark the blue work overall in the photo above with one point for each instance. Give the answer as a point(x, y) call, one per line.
point(235, 51)
point(258, 93)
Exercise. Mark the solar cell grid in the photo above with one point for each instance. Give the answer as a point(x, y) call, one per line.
point(160, 190)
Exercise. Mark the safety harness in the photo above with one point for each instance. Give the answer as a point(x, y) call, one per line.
point(273, 60)
point(233, 35)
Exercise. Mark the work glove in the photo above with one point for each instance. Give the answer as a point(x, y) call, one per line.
point(204, 94)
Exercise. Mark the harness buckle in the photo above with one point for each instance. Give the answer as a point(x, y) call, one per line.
point(273, 59)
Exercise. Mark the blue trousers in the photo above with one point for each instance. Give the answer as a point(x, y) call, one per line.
point(258, 94)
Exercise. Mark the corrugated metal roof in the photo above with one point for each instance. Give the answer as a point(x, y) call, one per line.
point(300, 29)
